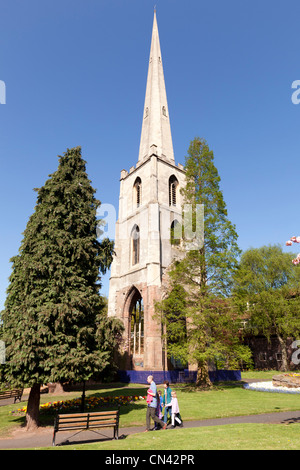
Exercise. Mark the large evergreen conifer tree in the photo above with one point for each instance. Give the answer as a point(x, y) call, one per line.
point(53, 308)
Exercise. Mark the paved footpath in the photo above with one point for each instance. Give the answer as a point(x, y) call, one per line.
point(43, 437)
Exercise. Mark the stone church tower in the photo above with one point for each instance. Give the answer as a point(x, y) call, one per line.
point(149, 208)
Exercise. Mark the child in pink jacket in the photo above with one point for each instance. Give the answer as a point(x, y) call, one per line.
point(149, 396)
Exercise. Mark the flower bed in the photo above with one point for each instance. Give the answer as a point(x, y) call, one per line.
point(288, 380)
point(75, 404)
point(269, 387)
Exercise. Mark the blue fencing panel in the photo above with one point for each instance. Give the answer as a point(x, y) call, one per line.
point(175, 376)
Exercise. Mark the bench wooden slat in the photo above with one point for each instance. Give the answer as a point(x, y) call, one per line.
point(5, 394)
point(70, 427)
point(85, 423)
point(10, 392)
point(15, 393)
point(82, 415)
point(102, 419)
point(103, 422)
point(72, 420)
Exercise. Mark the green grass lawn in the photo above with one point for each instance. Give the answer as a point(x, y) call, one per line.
point(223, 400)
point(227, 437)
point(259, 374)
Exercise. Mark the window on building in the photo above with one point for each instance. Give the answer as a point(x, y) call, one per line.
point(262, 356)
point(137, 189)
point(173, 184)
point(175, 233)
point(137, 326)
point(279, 357)
point(135, 243)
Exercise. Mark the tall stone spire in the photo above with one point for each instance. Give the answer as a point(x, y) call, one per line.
point(156, 130)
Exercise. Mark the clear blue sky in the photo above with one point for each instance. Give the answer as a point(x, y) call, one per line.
point(75, 74)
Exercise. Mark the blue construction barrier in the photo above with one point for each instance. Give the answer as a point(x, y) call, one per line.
point(175, 376)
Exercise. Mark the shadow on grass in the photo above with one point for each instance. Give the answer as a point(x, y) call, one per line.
point(111, 392)
point(97, 439)
point(78, 387)
point(291, 421)
point(216, 386)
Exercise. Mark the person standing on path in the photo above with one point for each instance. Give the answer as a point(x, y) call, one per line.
point(175, 410)
point(151, 408)
point(167, 399)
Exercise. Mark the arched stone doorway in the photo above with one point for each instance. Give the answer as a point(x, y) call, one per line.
point(134, 321)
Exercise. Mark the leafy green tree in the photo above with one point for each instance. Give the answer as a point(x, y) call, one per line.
point(200, 282)
point(267, 289)
point(53, 318)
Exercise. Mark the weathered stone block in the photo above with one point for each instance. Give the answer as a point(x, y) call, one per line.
point(286, 380)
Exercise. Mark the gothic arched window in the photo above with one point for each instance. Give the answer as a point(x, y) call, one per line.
point(137, 192)
point(135, 245)
point(175, 233)
point(137, 325)
point(173, 183)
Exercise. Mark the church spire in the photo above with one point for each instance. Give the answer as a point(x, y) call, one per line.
point(156, 130)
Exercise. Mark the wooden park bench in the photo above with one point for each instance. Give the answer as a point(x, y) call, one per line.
point(15, 393)
point(86, 421)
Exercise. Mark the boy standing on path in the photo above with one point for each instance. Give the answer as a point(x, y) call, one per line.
point(151, 408)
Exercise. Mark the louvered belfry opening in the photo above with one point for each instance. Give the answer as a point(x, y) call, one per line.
point(138, 191)
point(173, 183)
point(135, 237)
